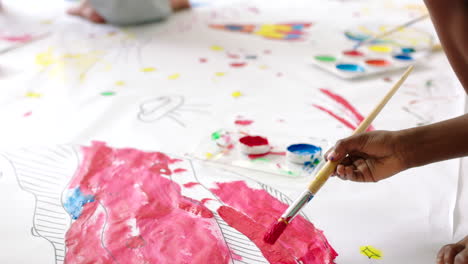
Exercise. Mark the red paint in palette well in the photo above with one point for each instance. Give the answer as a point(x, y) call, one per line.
point(243, 122)
point(378, 62)
point(238, 64)
point(253, 214)
point(353, 53)
point(253, 141)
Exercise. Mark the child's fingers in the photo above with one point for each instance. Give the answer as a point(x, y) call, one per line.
point(447, 254)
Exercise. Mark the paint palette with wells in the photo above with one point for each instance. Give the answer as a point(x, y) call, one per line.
point(395, 52)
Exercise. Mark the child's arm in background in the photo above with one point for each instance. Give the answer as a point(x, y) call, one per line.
point(127, 12)
point(450, 19)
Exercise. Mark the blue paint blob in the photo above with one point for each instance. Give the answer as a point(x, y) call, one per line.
point(234, 27)
point(356, 37)
point(304, 149)
point(75, 201)
point(404, 57)
point(297, 27)
point(350, 67)
point(293, 36)
point(408, 50)
point(251, 57)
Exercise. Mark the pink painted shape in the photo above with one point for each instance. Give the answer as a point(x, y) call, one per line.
point(203, 60)
point(238, 64)
point(253, 211)
point(29, 113)
point(131, 186)
point(337, 117)
point(179, 170)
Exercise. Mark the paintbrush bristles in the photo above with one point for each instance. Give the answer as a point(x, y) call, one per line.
point(275, 232)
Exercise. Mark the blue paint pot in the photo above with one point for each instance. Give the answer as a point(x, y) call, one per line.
point(348, 67)
point(303, 153)
point(403, 57)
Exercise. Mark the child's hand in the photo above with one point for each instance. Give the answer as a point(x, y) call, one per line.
point(372, 156)
point(86, 11)
point(454, 253)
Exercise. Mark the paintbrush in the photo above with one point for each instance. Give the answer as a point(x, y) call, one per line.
point(322, 176)
point(391, 31)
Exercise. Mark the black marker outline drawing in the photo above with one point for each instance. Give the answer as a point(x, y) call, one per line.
point(168, 106)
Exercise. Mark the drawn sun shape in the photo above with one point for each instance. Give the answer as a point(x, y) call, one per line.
point(171, 107)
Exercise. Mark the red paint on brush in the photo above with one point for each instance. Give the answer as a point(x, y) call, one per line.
point(252, 211)
point(378, 62)
point(243, 122)
point(253, 141)
point(131, 186)
point(353, 53)
point(275, 232)
point(191, 184)
point(238, 64)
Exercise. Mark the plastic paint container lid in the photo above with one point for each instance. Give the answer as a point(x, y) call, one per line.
point(302, 153)
point(254, 145)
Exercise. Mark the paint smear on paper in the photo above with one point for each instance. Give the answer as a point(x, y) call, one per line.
point(350, 111)
point(108, 93)
point(148, 69)
point(202, 60)
point(29, 113)
point(120, 83)
point(243, 122)
point(174, 76)
point(219, 74)
point(371, 252)
point(19, 39)
point(238, 64)
point(139, 214)
point(236, 94)
point(217, 48)
point(33, 95)
point(191, 184)
point(253, 214)
point(75, 201)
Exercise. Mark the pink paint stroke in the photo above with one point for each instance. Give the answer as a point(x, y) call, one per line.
point(131, 186)
point(347, 105)
point(243, 122)
point(21, 39)
point(253, 211)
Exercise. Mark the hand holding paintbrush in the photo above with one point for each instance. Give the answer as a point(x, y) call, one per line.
point(322, 176)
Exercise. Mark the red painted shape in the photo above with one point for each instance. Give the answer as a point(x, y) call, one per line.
point(203, 60)
point(179, 170)
point(267, 51)
point(238, 64)
point(168, 222)
point(347, 105)
point(27, 114)
point(205, 200)
point(243, 122)
point(233, 55)
point(253, 214)
point(253, 141)
point(191, 184)
point(378, 62)
point(353, 53)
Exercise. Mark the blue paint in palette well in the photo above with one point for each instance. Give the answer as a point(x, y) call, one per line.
point(304, 149)
point(348, 67)
point(404, 57)
point(75, 201)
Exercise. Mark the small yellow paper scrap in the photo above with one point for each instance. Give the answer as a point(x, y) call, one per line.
point(217, 48)
point(371, 252)
point(236, 94)
point(174, 76)
point(148, 69)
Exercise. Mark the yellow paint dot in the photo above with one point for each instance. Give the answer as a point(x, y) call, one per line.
point(236, 94)
point(119, 83)
point(381, 48)
point(217, 48)
point(46, 58)
point(148, 69)
point(371, 252)
point(263, 67)
point(220, 74)
point(209, 155)
point(174, 76)
point(47, 21)
point(33, 95)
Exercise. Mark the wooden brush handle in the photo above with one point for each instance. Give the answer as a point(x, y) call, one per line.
point(330, 166)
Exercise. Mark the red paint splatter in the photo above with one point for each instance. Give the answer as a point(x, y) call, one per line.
point(135, 242)
point(253, 214)
point(353, 53)
point(191, 184)
point(203, 60)
point(279, 74)
point(351, 111)
point(29, 113)
point(205, 200)
point(267, 51)
point(256, 156)
point(243, 122)
point(163, 217)
point(253, 141)
point(179, 170)
point(238, 64)
point(22, 39)
point(387, 79)
point(378, 62)
point(232, 55)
